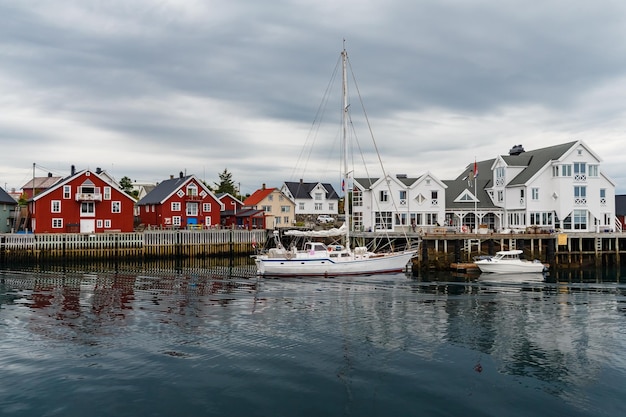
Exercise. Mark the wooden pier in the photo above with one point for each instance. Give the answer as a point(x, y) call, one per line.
point(437, 251)
point(559, 250)
point(158, 244)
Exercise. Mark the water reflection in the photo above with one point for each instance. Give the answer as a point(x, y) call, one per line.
point(560, 336)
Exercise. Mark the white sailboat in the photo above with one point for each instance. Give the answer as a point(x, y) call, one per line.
point(318, 259)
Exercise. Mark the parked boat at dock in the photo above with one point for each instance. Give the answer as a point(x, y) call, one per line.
point(317, 258)
point(509, 261)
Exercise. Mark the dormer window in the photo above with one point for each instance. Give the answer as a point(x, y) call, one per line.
point(192, 189)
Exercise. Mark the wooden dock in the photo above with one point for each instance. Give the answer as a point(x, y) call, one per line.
point(158, 244)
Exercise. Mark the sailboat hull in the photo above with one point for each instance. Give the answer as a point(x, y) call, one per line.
point(325, 266)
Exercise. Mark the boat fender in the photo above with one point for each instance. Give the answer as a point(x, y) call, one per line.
point(330, 249)
point(288, 255)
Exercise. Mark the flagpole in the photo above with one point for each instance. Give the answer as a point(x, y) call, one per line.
point(475, 197)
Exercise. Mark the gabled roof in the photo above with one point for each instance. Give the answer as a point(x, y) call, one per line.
point(69, 178)
point(302, 190)
point(461, 185)
point(164, 190)
point(220, 196)
point(5, 198)
point(534, 161)
point(258, 196)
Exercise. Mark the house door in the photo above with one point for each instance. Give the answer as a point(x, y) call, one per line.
point(87, 226)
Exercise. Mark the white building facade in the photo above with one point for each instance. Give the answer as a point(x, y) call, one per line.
point(398, 203)
point(562, 187)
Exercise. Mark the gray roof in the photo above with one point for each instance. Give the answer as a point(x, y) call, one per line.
point(532, 161)
point(620, 205)
point(368, 182)
point(163, 190)
point(535, 160)
point(5, 198)
point(302, 190)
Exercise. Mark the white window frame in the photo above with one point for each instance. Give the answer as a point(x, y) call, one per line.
point(175, 206)
point(116, 207)
point(57, 223)
point(55, 206)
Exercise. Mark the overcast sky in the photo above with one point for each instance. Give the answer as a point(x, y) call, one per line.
point(148, 88)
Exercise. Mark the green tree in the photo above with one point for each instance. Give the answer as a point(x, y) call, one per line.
point(126, 184)
point(226, 184)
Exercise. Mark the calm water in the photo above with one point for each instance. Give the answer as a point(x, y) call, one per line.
point(221, 343)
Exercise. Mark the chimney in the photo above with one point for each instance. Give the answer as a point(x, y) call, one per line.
point(49, 174)
point(180, 174)
point(171, 177)
point(98, 170)
point(73, 170)
point(516, 150)
point(263, 186)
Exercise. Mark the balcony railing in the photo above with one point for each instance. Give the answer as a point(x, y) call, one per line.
point(88, 196)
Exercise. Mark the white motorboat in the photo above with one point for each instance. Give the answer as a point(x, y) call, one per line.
point(509, 261)
point(319, 259)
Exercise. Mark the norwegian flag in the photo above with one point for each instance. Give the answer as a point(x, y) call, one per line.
point(475, 169)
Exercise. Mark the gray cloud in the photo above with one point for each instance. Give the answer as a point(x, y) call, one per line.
point(146, 89)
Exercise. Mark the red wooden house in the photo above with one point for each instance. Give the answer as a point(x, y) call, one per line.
point(240, 217)
point(83, 202)
point(183, 202)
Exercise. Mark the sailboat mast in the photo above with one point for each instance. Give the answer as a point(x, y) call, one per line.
point(346, 183)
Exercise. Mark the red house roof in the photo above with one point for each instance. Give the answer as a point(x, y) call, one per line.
point(258, 196)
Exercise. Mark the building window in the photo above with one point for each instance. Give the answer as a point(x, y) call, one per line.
point(285, 209)
point(566, 170)
point(580, 195)
point(67, 192)
point(207, 220)
point(434, 199)
point(107, 193)
point(99, 224)
point(580, 219)
point(176, 221)
point(107, 224)
point(301, 206)
point(116, 206)
point(402, 197)
point(270, 197)
point(401, 219)
point(383, 220)
point(431, 219)
point(500, 196)
point(192, 209)
point(383, 196)
point(267, 209)
point(175, 205)
point(87, 208)
point(206, 207)
point(331, 206)
point(56, 206)
point(57, 223)
point(180, 193)
point(603, 196)
point(192, 189)
point(357, 220)
point(580, 171)
point(318, 207)
point(357, 197)
point(318, 196)
point(534, 193)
